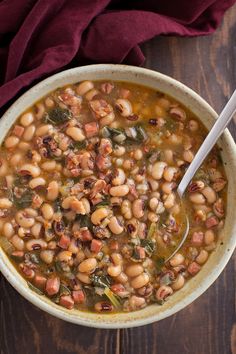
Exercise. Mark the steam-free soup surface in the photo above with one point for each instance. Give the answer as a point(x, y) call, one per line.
point(89, 213)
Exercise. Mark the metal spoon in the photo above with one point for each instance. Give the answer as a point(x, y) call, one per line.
point(212, 137)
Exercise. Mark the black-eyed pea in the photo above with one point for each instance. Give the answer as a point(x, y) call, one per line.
point(169, 201)
point(36, 157)
point(47, 256)
point(202, 257)
point(47, 211)
point(75, 133)
point(84, 278)
point(44, 129)
point(26, 119)
point(119, 191)
point(88, 265)
point(177, 259)
point(117, 258)
point(178, 283)
point(86, 205)
point(119, 178)
point(17, 242)
point(122, 278)
point(66, 203)
point(36, 244)
point(153, 217)
point(49, 165)
point(169, 173)
point(134, 270)
point(39, 110)
point(91, 94)
point(114, 270)
point(64, 256)
point(163, 292)
point(138, 154)
point(175, 210)
point(52, 190)
point(142, 188)
point(37, 182)
point(32, 170)
point(24, 220)
point(193, 125)
point(188, 156)
point(84, 87)
point(136, 302)
point(126, 209)
point(98, 215)
point(209, 237)
point(14, 161)
point(5, 203)
point(209, 194)
point(175, 139)
point(107, 120)
point(197, 198)
point(11, 142)
point(30, 212)
point(168, 156)
point(167, 187)
point(158, 169)
point(49, 102)
point(8, 230)
point(36, 229)
point(128, 164)
point(153, 184)
point(118, 150)
point(29, 132)
point(124, 107)
point(103, 306)
point(115, 226)
point(153, 203)
point(140, 281)
point(138, 208)
point(22, 232)
point(24, 146)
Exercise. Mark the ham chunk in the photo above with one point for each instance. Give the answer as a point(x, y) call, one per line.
point(197, 238)
point(52, 286)
point(64, 242)
point(91, 129)
point(96, 246)
point(18, 130)
point(193, 268)
point(40, 280)
point(78, 296)
point(211, 222)
point(67, 301)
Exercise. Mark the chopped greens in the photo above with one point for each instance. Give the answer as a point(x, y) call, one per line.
point(57, 116)
point(112, 297)
point(134, 135)
point(149, 246)
point(101, 281)
point(159, 264)
point(151, 230)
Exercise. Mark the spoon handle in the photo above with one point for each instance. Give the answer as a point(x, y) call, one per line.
point(212, 137)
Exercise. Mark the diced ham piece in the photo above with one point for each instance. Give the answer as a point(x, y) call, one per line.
point(197, 238)
point(91, 129)
point(193, 268)
point(78, 296)
point(67, 301)
point(83, 235)
point(40, 280)
point(52, 286)
point(64, 242)
point(211, 222)
point(18, 130)
point(107, 87)
point(105, 147)
point(103, 163)
point(96, 246)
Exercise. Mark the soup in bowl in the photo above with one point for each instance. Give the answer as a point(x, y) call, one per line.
point(90, 215)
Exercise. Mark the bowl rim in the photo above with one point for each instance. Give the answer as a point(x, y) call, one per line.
point(63, 313)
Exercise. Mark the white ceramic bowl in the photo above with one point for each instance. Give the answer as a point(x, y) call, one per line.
point(217, 260)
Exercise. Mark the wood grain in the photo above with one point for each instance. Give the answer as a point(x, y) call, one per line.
point(208, 326)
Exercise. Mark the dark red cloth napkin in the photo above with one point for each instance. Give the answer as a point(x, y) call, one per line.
point(40, 37)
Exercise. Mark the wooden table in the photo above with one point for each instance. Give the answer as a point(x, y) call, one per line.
point(208, 326)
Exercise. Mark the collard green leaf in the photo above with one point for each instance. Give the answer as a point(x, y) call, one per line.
point(57, 116)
